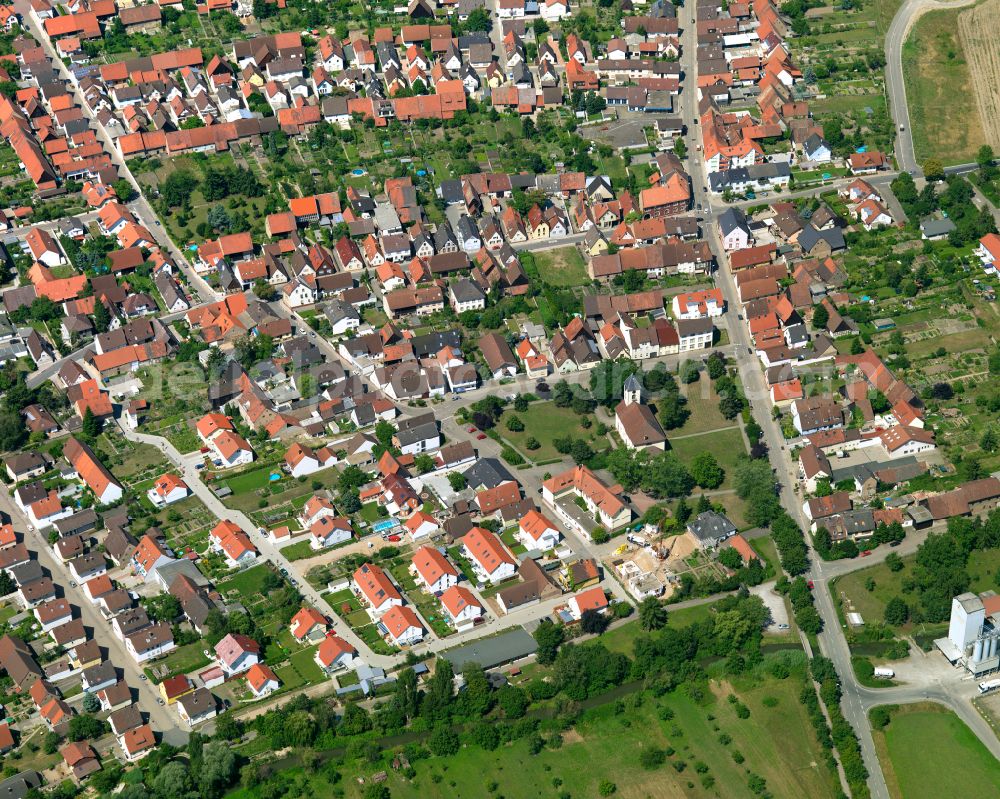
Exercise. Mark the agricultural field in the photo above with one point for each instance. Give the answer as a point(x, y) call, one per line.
point(977, 34)
point(927, 752)
point(936, 71)
point(606, 742)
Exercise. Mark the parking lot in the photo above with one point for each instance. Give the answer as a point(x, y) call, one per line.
point(626, 132)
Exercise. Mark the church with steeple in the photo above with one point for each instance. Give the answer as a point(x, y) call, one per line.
point(635, 421)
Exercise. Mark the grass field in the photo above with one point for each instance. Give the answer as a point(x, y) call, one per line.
point(252, 480)
point(605, 744)
point(726, 445)
point(935, 73)
point(983, 567)
point(304, 663)
point(703, 405)
point(186, 658)
point(927, 752)
point(248, 584)
point(871, 604)
point(544, 422)
point(563, 266)
point(622, 639)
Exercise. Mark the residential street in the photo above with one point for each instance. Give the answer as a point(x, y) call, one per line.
point(140, 207)
point(162, 718)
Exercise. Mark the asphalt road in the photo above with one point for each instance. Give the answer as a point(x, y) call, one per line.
point(895, 84)
point(752, 377)
point(140, 207)
point(161, 718)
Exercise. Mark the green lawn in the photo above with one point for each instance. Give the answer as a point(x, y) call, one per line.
point(304, 663)
point(605, 745)
point(927, 752)
point(299, 550)
point(545, 422)
point(622, 639)
point(703, 405)
point(983, 567)
point(186, 659)
point(251, 481)
point(871, 604)
point(726, 445)
point(563, 266)
point(249, 584)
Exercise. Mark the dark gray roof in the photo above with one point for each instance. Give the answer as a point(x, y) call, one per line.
point(465, 290)
point(432, 343)
point(492, 652)
point(731, 219)
point(810, 237)
point(936, 227)
point(711, 526)
point(488, 473)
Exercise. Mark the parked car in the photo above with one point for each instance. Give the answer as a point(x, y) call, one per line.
point(395, 539)
point(481, 436)
point(472, 429)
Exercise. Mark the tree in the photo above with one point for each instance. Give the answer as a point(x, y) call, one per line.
point(989, 441)
point(985, 156)
point(593, 622)
point(424, 463)
point(177, 188)
point(444, 741)
point(172, 782)
point(101, 317)
point(548, 637)
point(731, 405)
point(515, 425)
point(457, 481)
point(512, 701)
point(820, 318)
point(689, 372)
point(91, 704)
point(478, 20)
point(123, 189)
point(13, 431)
point(652, 614)
point(897, 612)
point(706, 471)
point(667, 477)
point(218, 767)
point(671, 410)
point(91, 426)
point(680, 148)
point(374, 790)
point(894, 562)
point(942, 391)
point(626, 466)
point(716, 365)
point(218, 219)
point(83, 727)
point(933, 169)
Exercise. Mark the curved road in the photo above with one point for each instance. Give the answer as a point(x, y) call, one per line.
point(895, 86)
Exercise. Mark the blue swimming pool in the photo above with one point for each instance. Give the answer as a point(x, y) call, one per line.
point(385, 524)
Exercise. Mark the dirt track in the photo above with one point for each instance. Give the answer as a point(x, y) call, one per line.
point(977, 31)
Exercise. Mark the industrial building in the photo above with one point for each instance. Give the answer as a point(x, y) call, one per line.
point(974, 633)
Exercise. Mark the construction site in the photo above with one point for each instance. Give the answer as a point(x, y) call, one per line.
point(651, 564)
